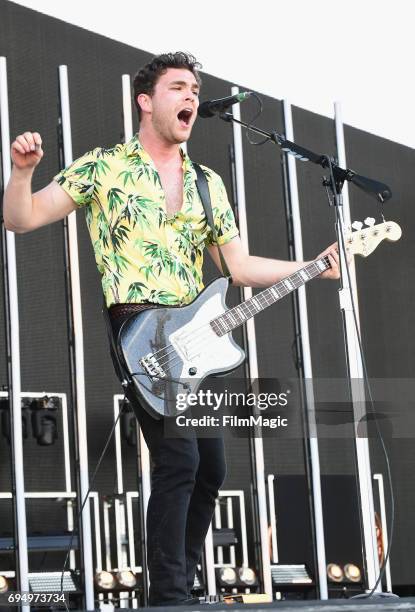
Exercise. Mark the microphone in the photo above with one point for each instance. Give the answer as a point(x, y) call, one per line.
point(210, 108)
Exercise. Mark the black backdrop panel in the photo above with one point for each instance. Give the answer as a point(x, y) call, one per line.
point(385, 279)
point(317, 220)
point(341, 520)
point(267, 230)
point(386, 292)
point(325, 323)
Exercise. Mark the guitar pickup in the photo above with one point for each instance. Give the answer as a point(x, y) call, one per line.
point(152, 366)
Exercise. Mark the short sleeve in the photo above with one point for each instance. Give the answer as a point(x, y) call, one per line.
point(223, 216)
point(78, 179)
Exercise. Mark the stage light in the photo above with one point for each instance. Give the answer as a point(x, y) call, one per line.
point(51, 582)
point(335, 572)
point(290, 575)
point(127, 579)
point(227, 575)
point(105, 581)
point(352, 572)
point(379, 538)
point(44, 426)
point(247, 576)
point(4, 585)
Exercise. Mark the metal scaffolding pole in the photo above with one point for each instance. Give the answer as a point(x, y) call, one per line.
point(307, 366)
point(143, 457)
point(14, 365)
point(79, 354)
point(252, 357)
point(355, 367)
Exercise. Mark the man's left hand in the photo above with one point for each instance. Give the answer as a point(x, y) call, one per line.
point(333, 272)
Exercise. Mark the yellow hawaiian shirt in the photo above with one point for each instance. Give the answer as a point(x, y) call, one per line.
point(142, 254)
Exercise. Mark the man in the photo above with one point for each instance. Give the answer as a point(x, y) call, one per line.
point(148, 231)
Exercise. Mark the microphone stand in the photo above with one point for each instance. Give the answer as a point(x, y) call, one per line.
point(338, 175)
point(381, 193)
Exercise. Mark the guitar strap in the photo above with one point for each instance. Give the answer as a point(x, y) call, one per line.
point(203, 189)
point(119, 369)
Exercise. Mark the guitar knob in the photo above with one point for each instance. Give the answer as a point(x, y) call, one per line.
point(369, 221)
point(357, 225)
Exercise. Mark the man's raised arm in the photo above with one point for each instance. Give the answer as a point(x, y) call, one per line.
point(22, 210)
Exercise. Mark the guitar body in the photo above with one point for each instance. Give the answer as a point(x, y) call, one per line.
point(172, 350)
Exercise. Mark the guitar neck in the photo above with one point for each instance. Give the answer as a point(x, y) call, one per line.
point(234, 317)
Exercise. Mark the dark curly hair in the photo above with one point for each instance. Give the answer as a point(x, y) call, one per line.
point(147, 77)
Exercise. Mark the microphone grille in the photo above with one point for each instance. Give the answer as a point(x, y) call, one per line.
point(204, 110)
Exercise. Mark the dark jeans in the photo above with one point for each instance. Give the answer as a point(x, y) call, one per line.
point(186, 475)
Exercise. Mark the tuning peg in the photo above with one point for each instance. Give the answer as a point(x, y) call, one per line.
point(369, 221)
point(357, 225)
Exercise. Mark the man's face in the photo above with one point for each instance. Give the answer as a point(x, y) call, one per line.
point(173, 105)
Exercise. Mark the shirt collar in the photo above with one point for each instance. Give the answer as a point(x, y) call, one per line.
point(134, 147)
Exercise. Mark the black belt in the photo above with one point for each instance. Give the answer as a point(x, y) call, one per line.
point(118, 313)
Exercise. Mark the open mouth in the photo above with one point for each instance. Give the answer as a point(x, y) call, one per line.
point(184, 116)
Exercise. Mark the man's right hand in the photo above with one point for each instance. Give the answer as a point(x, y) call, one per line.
point(26, 151)
point(22, 211)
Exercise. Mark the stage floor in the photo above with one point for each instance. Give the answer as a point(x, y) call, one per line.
point(332, 605)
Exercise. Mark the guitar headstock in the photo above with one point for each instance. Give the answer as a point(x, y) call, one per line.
point(363, 241)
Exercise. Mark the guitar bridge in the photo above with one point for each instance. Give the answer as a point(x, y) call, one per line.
point(152, 366)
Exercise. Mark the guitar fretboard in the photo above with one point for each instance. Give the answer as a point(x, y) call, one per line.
point(236, 316)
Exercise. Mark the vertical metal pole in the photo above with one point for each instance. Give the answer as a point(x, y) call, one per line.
point(107, 534)
point(355, 367)
point(126, 107)
point(384, 523)
point(308, 370)
point(229, 516)
point(119, 507)
point(79, 354)
point(143, 461)
point(273, 519)
point(252, 356)
point(68, 479)
point(242, 513)
point(210, 563)
point(218, 525)
point(143, 457)
point(14, 367)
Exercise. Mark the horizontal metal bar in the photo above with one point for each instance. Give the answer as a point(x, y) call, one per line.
point(42, 542)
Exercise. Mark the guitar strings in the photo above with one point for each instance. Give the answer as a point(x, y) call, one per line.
point(201, 338)
point(264, 300)
point(163, 358)
point(204, 333)
point(258, 297)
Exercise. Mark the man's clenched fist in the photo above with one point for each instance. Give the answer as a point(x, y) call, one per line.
point(26, 150)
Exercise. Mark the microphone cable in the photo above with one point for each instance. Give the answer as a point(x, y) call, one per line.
point(251, 123)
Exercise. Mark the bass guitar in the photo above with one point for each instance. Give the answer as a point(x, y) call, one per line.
point(171, 350)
